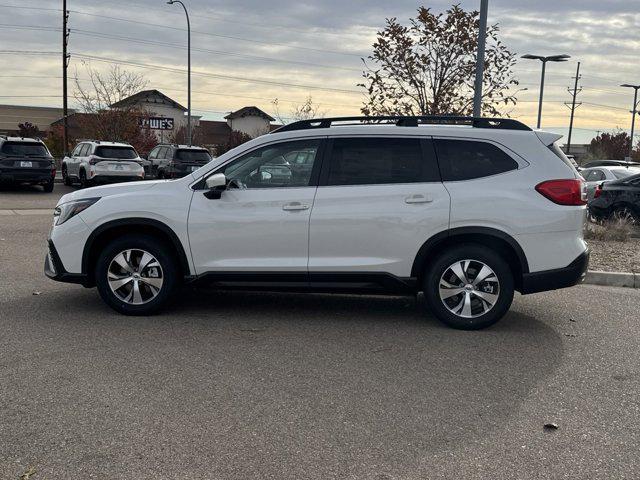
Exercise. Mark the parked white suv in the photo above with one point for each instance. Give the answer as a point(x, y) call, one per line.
point(94, 162)
point(464, 210)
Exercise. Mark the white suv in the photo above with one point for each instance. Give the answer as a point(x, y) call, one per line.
point(93, 162)
point(464, 210)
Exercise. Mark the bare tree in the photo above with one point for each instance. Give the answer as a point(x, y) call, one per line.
point(304, 111)
point(105, 117)
point(427, 67)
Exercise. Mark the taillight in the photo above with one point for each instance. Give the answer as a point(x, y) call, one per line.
point(53, 172)
point(597, 192)
point(564, 192)
point(93, 160)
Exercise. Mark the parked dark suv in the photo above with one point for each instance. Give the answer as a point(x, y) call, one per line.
point(176, 161)
point(26, 161)
point(620, 198)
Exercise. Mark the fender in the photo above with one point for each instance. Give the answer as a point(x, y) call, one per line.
point(433, 242)
point(135, 221)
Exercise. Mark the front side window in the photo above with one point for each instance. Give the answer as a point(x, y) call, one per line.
point(370, 161)
point(153, 154)
point(76, 151)
point(469, 159)
point(122, 153)
point(271, 166)
point(627, 172)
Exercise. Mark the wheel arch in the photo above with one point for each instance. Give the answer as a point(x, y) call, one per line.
point(499, 241)
point(145, 226)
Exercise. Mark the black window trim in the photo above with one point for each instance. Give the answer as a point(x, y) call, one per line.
point(199, 184)
point(521, 162)
point(427, 148)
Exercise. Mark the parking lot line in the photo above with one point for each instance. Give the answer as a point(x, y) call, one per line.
point(27, 211)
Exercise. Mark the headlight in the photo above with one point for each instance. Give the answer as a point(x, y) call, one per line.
point(64, 212)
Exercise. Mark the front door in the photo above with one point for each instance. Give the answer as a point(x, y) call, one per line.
point(261, 221)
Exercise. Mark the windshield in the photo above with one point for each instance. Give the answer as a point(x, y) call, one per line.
point(624, 173)
point(193, 156)
point(124, 153)
point(25, 149)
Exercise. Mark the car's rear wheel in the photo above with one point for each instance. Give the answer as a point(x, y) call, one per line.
point(48, 187)
point(626, 214)
point(469, 287)
point(136, 274)
point(65, 176)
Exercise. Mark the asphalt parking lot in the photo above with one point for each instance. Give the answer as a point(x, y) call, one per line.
point(284, 386)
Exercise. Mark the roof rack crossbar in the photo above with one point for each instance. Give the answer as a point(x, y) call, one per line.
point(408, 121)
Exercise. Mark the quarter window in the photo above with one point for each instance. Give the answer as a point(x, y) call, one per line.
point(274, 166)
point(468, 159)
point(369, 161)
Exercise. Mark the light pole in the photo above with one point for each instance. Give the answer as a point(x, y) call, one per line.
point(544, 60)
point(482, 40)
point(633, 113)
point(171, 2)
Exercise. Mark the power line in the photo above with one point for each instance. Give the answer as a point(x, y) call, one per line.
point(217, 35)
point(204, 50)
point(213, 75)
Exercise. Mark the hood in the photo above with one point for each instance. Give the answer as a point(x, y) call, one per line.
point(108, 190)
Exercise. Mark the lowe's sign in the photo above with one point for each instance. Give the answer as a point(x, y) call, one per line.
point(156, 123)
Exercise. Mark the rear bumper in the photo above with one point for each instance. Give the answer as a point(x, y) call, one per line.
point(26, 175)
point(565, 277)
point(54, 269)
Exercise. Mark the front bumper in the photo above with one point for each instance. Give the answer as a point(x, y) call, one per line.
point(565, 277)
point(54, 269)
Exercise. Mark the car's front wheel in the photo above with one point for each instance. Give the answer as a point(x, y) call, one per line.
point(469, 287)
point(136, 274)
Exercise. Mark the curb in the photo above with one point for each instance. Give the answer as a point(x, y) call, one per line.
point(613, 279)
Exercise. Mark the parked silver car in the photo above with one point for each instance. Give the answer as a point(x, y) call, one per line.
point(598, 175)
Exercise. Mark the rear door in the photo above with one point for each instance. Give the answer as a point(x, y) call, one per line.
point(379, 200)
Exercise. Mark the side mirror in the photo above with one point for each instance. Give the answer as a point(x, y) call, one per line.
point(215, 185)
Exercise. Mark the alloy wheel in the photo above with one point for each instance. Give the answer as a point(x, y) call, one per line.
point(469, 288)
point(135, 276)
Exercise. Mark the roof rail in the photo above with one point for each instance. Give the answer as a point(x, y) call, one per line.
point(408, 121)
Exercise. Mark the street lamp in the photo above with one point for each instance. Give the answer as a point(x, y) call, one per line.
point(633, 113)
point(544, 60)
point(171, 2)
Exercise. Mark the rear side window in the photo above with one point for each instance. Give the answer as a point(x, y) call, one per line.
point(193, 156)
point(469, 159)
point(124, 153)
point(84, 151)
point(369, 161)
point(25, 149)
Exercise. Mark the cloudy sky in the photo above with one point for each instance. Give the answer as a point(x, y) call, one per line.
point(248, 52)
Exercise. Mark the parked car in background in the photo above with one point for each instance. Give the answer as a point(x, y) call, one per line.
point(465, 210)
point(616, 199)
point(26, 161)
point(176, 161)
point(596, 176)
point(610, 163)
point(93, 162)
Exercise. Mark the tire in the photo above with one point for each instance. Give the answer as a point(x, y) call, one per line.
point(476, 313)
point(160, 175)
point(65, 177)
point(161, 274)
point(48, 187)
point(627, 214)
point(84, 182)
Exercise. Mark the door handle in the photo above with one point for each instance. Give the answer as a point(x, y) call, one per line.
point(418, 198)
point(294, 206)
